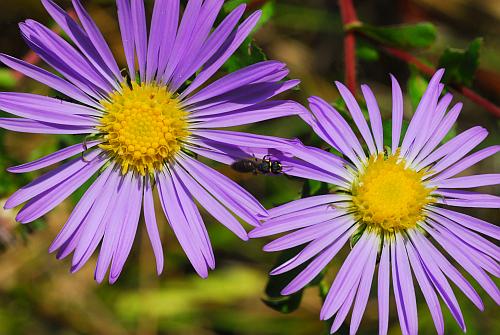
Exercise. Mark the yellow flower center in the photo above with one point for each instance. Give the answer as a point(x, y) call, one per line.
point(143, 127)
point(388, 195)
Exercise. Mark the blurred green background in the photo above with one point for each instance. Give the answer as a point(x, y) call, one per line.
point(38, 295)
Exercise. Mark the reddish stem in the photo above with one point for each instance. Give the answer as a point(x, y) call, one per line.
point(429, 70)
point(349, 16)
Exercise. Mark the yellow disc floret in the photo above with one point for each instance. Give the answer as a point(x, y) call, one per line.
point(143, 127)
point(388, 195)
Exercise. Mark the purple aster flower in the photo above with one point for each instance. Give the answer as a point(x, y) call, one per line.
point(390, 204)
point(144, 127)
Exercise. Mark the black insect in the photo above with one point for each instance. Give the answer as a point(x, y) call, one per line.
point(265, 165)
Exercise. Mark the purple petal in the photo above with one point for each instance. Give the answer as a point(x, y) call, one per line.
point(468, 181)
point(53, 158)
point(43, 109)
point(467, 162)
point(338, 129)
point(65, 54)
point(49, 180)
point(384, 269)
point(127, 32)
point(53, 105)
point(437, 278)
point(338, 233)
point(397, 113)
point(375, 117)
point(453, 145)
point(363, 292)
point(178, 221)
point(467, 262)
point(163, 30)
point(70, 245)
point(311, 233)
point(152, 226)
point(344, 309)
point(208, 13)
point(348, 274)
point(225, 190)
point(456, 155)
point(422, 112)
point(424, 124)
point(220, 57)
point(439, 113)
point(300, 204)
point(324, 160)
point(439, 134)
point(427, 289)
point(256, 113)
point(46, 201)
point(184, 36)
point(128, 229)
point(167, 32)
point(242, 97)
point(212, 206)
point(452, 273)
point(319, 128)
point(404, 291)
point(80, 38)
point(469, 222)
point(471, 250)
point(93, 225)
point(48, 79)
point(468, 237)
point(118, 209)
point(213, 44)
point(248, 75)
point(195, 222)
point(243, 139)
point(467, 199)
point(35, 127)
point(437, 118)
point(97, 39)
point(300, 219)
point(140, 35)
point(357, 116)
point(81, 210)
point(314, 268)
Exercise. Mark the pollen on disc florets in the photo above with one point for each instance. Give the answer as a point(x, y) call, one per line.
point(389, 195)
point(143, 127)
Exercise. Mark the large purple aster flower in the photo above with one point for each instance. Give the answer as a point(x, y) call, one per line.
point(145, 127)
point(390, 204)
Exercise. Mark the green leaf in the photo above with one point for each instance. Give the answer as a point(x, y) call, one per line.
point(366, 52)
point(420, 35)
point(387, 126)
point(416, 88)
point(7, 80)
point(313, 188)
point(460, 64)
point(356, 236)
point(268, 10)
point(232, 4)
point(275, 284)
point(249, 53)
point(304, 18)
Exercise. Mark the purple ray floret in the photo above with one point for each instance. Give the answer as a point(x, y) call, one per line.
point(391, 204)
point(145, 127)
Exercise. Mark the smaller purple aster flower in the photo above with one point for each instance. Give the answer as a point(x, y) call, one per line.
point(390, 204)
point(145, 127)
